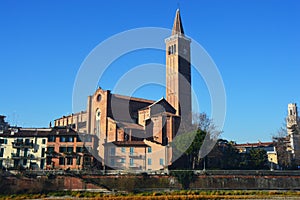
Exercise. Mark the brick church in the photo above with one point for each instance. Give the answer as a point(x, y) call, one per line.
point(135, 133)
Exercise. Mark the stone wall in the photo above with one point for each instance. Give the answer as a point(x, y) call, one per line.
point(255, 180)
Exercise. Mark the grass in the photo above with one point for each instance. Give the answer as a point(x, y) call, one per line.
point(180, 195)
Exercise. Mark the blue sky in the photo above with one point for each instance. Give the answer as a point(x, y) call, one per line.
point(255, 45)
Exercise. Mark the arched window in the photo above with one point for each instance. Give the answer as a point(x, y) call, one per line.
point(98, 117)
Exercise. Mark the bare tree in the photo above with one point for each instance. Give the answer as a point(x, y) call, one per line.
point(281, 142)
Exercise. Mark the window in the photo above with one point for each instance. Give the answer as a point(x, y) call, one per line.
point(112, 162)
point(87, 160)
point(61, 161)
point(62, 138)
point(78, 138)
point(5, 141)
point(18, 152)
point(27, 141)
point(42, 163)
point(161, 161)
point(99, 97)
point(25, 162)
point(50, 149)
point(1, 152)
point(43, 152)
point(25, 152)
point(62, 149)
point(174, 48)
point(69, 139)
point(51, 138)
point(79, 149)
point(43, 141)
point(123, 149)
point(122, 160)
point(131, 150)
point(69, 161)
point(98, 117)
point(113, 151)
point(49, 160)
point(1, 163)
point(149, 150)
point(19, 140)
point(131, 161)
point(69, 149)
point(149, 161)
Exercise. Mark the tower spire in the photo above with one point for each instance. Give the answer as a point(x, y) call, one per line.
point(177, 26)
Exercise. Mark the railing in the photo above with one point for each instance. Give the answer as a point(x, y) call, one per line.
point(163, 172)
point(15, 155)
point(22, 145)
point(136, 156)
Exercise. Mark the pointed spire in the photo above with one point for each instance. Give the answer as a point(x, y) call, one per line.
point(177, 26)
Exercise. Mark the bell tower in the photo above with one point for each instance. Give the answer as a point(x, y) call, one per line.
point(178, 69)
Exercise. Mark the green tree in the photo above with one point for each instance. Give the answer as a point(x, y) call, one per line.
point(190, 141)
point(258, 159)
point(193, 151)
point(184, 177)
point(223, 156)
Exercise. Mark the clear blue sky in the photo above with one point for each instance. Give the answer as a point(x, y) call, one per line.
point(255, 44)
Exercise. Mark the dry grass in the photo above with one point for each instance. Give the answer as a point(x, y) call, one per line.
point(175, 195)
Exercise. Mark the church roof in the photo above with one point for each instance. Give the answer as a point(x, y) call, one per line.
point(165, 106)
point(132, 98)
point(128, 144)
point(177, 26)
point(129, 125)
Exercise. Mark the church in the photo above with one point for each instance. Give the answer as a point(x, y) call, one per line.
point(135, 133)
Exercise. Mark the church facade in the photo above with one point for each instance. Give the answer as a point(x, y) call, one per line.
point(135, 133)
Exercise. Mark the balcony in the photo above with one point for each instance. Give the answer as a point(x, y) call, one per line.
point(32, 157)
point(136, 156)
point(22, 145)
point(135, 166)
point(15, 156)
point(117, 155)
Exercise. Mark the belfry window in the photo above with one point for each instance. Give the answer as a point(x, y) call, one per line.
point(172, 49)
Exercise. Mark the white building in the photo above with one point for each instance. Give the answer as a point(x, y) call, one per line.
point(23, 148)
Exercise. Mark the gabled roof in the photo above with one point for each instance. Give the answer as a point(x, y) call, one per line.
point(177, 26)
point(164, 103)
